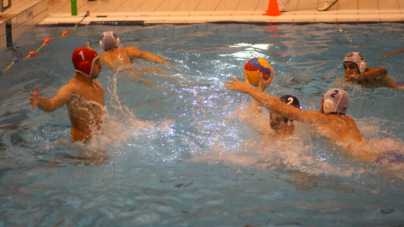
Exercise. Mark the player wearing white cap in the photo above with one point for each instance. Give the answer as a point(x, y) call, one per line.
point(356, 71)
point(114, 54)
point(331, 121)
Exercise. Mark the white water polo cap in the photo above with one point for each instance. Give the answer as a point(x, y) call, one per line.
point(358, 59)
point(335, 101)
point(109, 40)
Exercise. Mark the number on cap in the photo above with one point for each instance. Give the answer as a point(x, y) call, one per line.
point(334, 94)
point(82, 55)
point(290, 99)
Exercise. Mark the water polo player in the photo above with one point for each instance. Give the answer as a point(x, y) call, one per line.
point(356, 71)
point(114, 54)
point(331, 121)
point(281, 126)
point(83, 95)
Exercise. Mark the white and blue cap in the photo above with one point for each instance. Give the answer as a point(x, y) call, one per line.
point(358, 59)
point(109, 40)
point(335, 101)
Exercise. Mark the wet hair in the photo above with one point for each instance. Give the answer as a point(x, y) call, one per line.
point(292, 101)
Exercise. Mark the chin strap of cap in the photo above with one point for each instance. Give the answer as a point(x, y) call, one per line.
point(96, 83)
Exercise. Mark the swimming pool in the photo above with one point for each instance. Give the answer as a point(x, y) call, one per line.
point(183, 153)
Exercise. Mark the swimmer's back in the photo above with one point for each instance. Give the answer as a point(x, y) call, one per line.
point(111, 56)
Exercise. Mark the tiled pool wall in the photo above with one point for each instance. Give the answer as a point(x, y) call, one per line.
point(22, 16)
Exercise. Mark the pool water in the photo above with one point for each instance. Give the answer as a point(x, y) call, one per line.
point(185, 151)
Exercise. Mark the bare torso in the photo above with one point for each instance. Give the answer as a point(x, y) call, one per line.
point(85, 109)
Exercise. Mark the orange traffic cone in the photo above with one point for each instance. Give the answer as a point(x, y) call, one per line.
point(273, 9)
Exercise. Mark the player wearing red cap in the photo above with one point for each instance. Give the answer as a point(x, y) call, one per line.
point(83, 95)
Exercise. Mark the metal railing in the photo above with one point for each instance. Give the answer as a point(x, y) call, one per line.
point(2, 7)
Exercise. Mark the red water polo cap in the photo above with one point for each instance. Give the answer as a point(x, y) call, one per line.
point(83, 59)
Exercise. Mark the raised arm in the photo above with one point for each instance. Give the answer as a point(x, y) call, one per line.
point(147, 56)
point(371, 72)
point(275, 105)
point(64, 95)
point(262, 85)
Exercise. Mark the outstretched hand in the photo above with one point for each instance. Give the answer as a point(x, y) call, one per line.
point(238, 85)
point(34, 97)
point(351, 77)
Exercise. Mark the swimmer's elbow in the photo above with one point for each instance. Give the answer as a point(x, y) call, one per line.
point(382, 71)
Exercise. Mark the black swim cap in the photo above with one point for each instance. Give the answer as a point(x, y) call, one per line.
point(290, 100)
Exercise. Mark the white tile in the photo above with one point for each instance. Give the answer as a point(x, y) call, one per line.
point(154, 21)
point(392, 17)
point(325, 18)
point(200, 15)
point(129, 6)
point(185, 14)
point(304, 18)
point(2, 29)
point(197, 19)
point(129, 18)
point(307, 4)
point(227, 5)
point(246, 5)
point(347, 18)
point(110, 6)
point(261, 19)
point(205, 6)
point(160, 14)
point(368, 4)
point(148, 6)
point(346, 5)
point(168, 6)
point(239, 18)
point(188, 5)
point(175, 21)
point(35, 10)
point(286, 19)
point(293, 5)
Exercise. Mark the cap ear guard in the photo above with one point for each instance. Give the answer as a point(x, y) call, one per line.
point(328, 106)
point(118, 41)
point(102, 45)
point(362, 67)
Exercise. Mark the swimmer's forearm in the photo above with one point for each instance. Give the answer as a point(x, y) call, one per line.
point(372, 73)
point(47, 105)
point(155, 58)
point(150, 57)
point(262, 98)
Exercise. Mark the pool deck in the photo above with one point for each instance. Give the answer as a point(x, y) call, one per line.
point(23, 14)
point(205, 11)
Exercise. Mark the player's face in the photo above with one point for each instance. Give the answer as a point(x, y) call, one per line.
point(350, 68)
point(96, 69)
point(275, 120)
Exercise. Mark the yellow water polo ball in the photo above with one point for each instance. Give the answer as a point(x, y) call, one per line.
point(254, 67)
